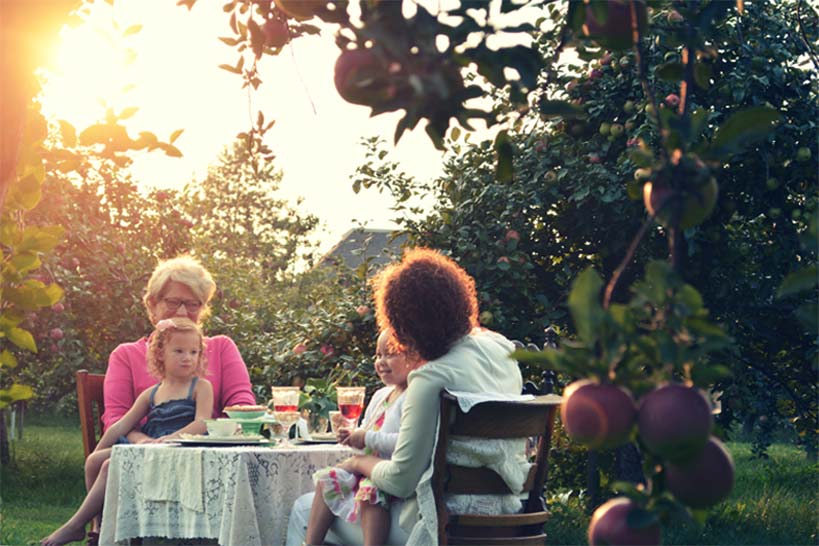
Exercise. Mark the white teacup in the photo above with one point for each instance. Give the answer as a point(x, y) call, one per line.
point(221, 427)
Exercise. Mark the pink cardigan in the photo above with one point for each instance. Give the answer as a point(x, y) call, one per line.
point(127, 376)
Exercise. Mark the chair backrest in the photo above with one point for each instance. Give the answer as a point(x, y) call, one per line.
point(89, 398)
point(496, 419)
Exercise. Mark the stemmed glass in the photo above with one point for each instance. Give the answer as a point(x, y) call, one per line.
point(287, 419)
point(285, 401)
point(351, 403)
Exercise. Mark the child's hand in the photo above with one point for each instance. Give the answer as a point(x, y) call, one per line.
point(355, 438)
point(342, 434)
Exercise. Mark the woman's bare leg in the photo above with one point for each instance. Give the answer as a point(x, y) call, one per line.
point(74, 528)
point(375, 523)
point(320, 520)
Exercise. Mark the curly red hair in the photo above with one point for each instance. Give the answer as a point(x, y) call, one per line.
point(428, 301)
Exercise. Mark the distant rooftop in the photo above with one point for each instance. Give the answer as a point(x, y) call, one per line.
point(381, 246)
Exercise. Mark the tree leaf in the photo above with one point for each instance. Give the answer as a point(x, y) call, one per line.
point(22, 338)
point(584, 305)
point(68, 133)
point(554, 108)
point(128, 112)
point(175, 135)
point(14, 394)
point(504, 169)
point(798, 281)
point(743, 128)
point(672, 72)
point(7, 359)
point(640, 518)
point(133, 29)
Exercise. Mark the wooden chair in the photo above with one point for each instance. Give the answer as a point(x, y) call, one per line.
point(501, 419)
point(89, 395)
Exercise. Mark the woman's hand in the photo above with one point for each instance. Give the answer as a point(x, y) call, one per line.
point(354, 438)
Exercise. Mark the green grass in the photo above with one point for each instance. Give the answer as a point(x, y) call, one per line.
point(44, 483)
point(773, 502)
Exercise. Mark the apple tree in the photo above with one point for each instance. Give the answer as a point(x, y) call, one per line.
point(656, 339)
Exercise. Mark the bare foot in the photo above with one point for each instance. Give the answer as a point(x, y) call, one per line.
point(64, 535)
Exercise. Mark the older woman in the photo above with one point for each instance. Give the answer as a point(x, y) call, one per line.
point(430, 303)
point(179, 287)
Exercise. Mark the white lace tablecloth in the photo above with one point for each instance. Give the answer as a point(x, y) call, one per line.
point(240, 496)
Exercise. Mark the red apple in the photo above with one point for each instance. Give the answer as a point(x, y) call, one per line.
point(327, 350)
point(503, 259)
point(276, 33)
point(300, 348)
point(674, 421)
point(594, 158)
point(672, 100)
point(609, 525)
point(58, 307)
point(511, 235)
point(362, 310)
point(360, 78)
point(704, 481)
point(56, 334)
point(597, 415)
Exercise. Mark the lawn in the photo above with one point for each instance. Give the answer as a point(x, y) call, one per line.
point(774, 501)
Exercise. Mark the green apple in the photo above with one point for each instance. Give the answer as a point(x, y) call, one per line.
point(803, 154)
point(605, 128)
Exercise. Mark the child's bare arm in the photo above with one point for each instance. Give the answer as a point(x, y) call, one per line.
point(128, 421)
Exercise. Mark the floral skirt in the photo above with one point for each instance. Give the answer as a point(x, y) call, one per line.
point(343, 491)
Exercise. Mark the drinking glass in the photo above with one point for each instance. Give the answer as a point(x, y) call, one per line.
point(287, 419)
point(336, 421)
point(350, 403)
point(285, 398)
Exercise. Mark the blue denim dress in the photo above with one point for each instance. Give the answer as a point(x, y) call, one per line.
point(170, 416)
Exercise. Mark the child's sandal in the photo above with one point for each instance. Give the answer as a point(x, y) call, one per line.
point(93, 538)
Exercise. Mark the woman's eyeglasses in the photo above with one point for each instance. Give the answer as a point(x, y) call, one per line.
point(191, 306)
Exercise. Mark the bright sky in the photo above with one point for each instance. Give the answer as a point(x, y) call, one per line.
point(177, 84)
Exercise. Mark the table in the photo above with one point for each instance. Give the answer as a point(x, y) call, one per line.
point(239, 495)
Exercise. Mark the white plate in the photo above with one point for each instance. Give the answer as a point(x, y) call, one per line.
point(325, 437)
point(202, 439)
point(313, 440)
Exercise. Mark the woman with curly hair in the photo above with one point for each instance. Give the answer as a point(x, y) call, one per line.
point(430, 304)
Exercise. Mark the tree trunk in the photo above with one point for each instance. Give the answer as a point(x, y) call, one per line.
point(4, 440)
point(593, 481)
point(629, 464)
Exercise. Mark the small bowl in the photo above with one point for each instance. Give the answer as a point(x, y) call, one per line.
point(244, 414)
point(221, 427)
